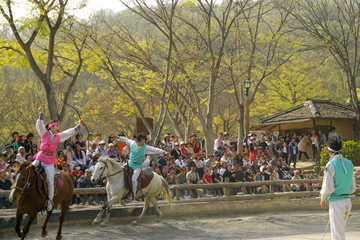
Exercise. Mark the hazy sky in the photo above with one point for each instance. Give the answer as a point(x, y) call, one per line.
point(20, 7)
point(95, 5)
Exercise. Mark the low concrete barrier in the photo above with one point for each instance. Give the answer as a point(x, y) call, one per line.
point(241, 205)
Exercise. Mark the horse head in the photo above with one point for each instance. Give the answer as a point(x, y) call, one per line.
point(106, 166)
point(23, 177)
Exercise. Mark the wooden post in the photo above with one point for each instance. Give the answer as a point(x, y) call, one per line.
point(262, 187)
point(177, 192)
point(226, 190)
point(307, 184)
point(271, 187)
point(317, 165)
point(279, 129)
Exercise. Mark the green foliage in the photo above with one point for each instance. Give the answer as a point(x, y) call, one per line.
point(20, 97)
point(324, 156)
point(351, 151)
point(188, 3)
point(137, 50)
point(289, 87)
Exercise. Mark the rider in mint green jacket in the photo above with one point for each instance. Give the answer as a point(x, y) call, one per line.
point(137, 155)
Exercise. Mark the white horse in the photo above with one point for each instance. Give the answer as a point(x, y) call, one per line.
point(116, 189)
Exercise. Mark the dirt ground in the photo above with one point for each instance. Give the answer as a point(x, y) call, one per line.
point(297, 225)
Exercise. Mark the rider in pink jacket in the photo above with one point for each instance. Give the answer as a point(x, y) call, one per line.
point(50, 138)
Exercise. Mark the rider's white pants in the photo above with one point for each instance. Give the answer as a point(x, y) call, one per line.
point(339, 212)
point(50, 171)
point(134, 178)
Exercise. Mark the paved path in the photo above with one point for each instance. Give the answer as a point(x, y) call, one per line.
point(290, 226)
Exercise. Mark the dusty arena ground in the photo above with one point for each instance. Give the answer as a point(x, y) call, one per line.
point(276, 225)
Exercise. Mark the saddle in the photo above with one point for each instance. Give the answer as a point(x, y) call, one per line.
point(143, 180)
point(41, 184)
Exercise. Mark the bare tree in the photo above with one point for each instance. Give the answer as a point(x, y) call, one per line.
point(181, 114)
point(161, 16)
point(51, 15)
point(209, 31)
point(258, 50)
point(267, 54)
point(334, 25)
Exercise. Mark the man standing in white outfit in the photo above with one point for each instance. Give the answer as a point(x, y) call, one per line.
point(338, 183)
point(218, 142)
point(137, 156)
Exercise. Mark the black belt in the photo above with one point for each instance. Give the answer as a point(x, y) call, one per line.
point(135, 163)
point(344, 194)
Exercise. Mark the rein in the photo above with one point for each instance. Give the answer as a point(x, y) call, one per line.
point(25, 187)
point(110, 175)
point(114, 173)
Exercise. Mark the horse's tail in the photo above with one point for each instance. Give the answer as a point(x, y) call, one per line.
point(166, 190)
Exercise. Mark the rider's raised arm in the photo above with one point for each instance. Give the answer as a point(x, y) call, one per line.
point(153, 150)
point(40, 125)
point(126, 140)
point(68, 133)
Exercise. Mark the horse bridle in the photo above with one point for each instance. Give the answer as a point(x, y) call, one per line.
point(113, 174)
point(25, 187)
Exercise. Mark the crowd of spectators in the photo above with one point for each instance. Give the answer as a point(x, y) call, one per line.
point(264, 157)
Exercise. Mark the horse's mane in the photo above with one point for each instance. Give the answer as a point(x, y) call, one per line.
point(112, 161)
point(21, 166)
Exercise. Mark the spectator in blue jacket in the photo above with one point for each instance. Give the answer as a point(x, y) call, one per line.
point(85, 182)
point(278, 147)
point(293, 152)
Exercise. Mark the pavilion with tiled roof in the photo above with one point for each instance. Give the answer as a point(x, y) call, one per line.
point(312, 115)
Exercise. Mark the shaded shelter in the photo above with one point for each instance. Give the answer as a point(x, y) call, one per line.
point(312, 115)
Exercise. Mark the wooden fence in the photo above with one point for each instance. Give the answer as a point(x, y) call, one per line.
point(226, 186)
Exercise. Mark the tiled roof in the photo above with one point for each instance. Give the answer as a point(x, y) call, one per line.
point(313, 108)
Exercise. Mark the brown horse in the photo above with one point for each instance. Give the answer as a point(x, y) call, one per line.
point(30, 202)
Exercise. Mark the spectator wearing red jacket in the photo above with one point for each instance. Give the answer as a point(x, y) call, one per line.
point(207, 179)
point(183, 149)
point(197, 147)
point(77, 172)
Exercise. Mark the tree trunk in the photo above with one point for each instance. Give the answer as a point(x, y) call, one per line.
point(240, 145)
point(186, 131)
point(176, 126)
point(246, 116)
point(152, 140)
point(357, 128)
point(51, 100)
point(187, 124)
point(209, 145)
point(209, 115)
point(217, 130)
point(354, 102)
